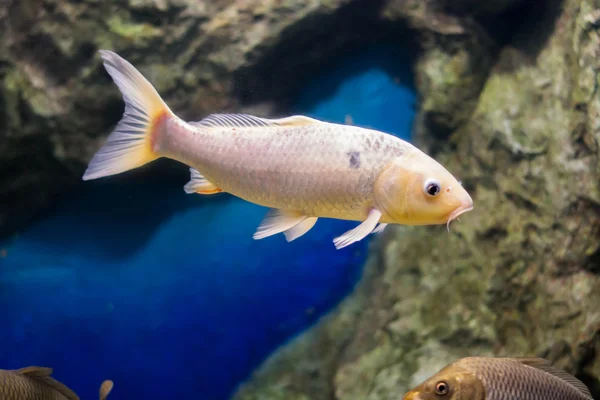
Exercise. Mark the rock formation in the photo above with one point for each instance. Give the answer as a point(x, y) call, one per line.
point(519, 275)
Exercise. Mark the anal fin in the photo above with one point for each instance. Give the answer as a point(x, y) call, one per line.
point(360, 232)
point(277, 221)
point(199, 184)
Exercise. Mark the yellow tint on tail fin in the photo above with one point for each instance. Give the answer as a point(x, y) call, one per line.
point(130, 145)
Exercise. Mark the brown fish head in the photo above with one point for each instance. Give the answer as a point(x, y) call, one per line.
point(451, 383)
point(417, 190)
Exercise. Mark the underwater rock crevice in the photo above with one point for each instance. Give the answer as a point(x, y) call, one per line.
point(303, 49)
point(451, 71)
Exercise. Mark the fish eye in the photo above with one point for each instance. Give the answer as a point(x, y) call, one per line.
point(441, 388)
point(432, 187)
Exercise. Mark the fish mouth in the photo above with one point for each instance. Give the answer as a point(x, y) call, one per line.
point(411, 396)
point(463, 208)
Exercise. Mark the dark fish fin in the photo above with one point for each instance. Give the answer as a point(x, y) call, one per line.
point(250, 121)
point(34, 372)
point(106, 388)
point(42, 374)
point(544, 365)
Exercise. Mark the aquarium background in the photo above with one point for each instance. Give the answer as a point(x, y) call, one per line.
point(128, 278)
point(167, 294)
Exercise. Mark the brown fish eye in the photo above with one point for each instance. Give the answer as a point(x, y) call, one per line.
point(441, 388)
point(432, 188)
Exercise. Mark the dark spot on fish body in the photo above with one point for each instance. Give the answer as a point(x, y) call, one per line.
point(354, 159)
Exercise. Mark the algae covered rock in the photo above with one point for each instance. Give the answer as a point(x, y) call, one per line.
point(519, 275)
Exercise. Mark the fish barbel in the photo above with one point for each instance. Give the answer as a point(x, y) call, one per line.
point(300, 167)
point(499, 378)
point(36, 383)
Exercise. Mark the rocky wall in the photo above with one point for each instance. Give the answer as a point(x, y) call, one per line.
point(519, 275)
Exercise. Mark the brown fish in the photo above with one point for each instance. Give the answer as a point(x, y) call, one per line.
point(489, 378)
point(35, 383)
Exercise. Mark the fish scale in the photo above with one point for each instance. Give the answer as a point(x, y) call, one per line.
point(36, 383)
point(15, 386)
point(304, 168)
point(505, 379)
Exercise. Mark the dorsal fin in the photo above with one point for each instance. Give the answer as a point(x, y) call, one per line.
point(544, 365)
point(42, 374)
point(35, 372)
point(250, 121)
point(232, 121)
point(295, 120)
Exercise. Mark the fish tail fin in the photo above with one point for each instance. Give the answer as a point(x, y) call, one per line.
point(105, 389)
point(133, 141)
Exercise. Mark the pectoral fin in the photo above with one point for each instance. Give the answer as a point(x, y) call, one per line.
point(277, 221)
point(360, 232)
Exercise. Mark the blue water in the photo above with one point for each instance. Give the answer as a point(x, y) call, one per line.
point(167, 293)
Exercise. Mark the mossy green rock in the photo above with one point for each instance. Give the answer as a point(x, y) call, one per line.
point(519, 275)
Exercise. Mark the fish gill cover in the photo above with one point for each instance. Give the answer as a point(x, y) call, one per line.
point(167, 294)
